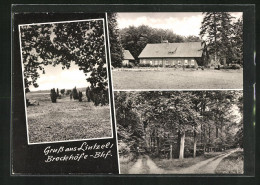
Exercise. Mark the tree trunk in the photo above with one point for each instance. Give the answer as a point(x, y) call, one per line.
point(216, 132)
point(209, 134)
point(171, 151)
point(158, 145)
point(182, 141)
point(178, 143)
point(195, 144)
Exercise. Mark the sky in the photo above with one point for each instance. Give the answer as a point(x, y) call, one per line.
point(182, 23)
point(56, 77)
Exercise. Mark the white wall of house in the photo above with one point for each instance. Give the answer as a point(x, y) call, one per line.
point(125, 62)
point(169, 61)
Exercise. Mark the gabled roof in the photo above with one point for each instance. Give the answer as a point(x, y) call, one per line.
point(127, 55)
point(163, 50)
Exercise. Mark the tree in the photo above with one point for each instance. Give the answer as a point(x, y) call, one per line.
point(63, 43)
point(116, 48)
point(238, 41)
point(216, 32)
point(135, 39)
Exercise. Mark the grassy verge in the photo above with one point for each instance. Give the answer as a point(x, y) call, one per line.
point(233, 164)
point(176, 164)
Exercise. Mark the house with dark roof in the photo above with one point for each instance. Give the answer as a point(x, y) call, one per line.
point(172, 54)
point(128, 57)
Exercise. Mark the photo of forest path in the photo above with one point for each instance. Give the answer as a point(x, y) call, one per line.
point(67, 119)
point(180, 132)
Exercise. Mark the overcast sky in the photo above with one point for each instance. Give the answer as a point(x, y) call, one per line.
point(55, 77)
point(184, 24)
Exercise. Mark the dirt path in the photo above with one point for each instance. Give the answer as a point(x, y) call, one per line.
point(144, 165)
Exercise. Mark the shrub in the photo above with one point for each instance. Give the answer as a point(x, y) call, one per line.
point(88, 94)
point(68, 92)
point(144, 65)
point(80, 96)
point(75, 94)
point(235, 66)
point(129, 65)
point(58, 93)
point(232, 66)
point(62, 91)
point(53, 96)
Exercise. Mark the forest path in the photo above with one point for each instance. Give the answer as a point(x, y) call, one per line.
point(204, 167)
point(145, 165)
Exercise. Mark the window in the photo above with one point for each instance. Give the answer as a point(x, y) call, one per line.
point(185, 62)
point(192, 62)
point(144, 61)
point(179, 62)
point(151, 62)
point(156, 62)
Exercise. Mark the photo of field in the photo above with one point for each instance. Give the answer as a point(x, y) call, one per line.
point(66, 89)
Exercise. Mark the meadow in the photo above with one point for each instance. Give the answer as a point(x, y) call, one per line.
point(66, 120)
point(171, 78)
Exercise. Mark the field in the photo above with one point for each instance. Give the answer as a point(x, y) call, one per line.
point(66, 120)
point(170, 78)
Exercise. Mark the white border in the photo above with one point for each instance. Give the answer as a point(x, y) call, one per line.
point(133, 90)
point(118, 161)
point(20, 25)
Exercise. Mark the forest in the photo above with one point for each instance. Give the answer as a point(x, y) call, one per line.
point(178, 124)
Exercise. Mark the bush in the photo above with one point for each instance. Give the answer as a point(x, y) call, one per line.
point(68, 92)
point(62, 91)
point(144, 65)
point(58, 94)
point(235, 66)
point(53, 96)
point(75, 94)
point(88, 94)
point(80, 96)
point(232, 66)
point(129, 65)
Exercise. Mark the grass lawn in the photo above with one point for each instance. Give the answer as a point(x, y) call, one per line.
point(170, 78)
point(232, 164)
point(66, 120)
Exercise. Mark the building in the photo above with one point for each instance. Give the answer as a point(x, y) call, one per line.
point(188, 54)
point(127, 58)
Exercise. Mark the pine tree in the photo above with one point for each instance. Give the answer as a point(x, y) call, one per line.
point(238, 41)
point(216, 31)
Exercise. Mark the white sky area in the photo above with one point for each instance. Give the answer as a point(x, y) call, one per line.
point(56, 77)
point(181, 23)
